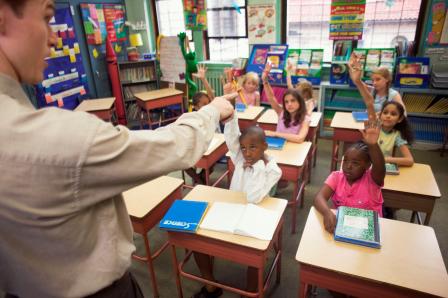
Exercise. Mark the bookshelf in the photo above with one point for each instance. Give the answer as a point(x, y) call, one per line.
point(136, 77)
point(427, 110)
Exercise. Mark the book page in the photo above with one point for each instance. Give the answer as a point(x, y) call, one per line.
point(258, 222)
point(223, 217)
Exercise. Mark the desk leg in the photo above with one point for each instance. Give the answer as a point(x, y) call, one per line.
point(279, 249)
point(260, 281)
point(295, 195)
point(151, 266)
point(176, 271)
point(303, 290)
point(207, 176)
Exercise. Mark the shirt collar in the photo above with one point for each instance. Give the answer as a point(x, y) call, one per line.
point(13, 89)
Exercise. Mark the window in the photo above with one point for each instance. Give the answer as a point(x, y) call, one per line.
point(170, 19)
point(227, 29)
point(307, 24)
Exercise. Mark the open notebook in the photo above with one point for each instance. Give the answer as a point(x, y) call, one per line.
point(242, 219)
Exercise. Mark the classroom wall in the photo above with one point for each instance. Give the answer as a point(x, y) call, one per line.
point(137, 11)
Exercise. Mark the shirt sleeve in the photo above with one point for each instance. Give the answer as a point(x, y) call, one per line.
point(399, 141)
point(333, 179)
point(117, 159)
point(264, 177)
point(232, 137)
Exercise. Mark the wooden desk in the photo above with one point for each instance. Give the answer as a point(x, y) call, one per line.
point(240, 249)
point(346, 129)
point(409, 263)
point(215, 151)
point(415, 188)
point(269, 120)
point(249, 116)
point(155, 99)
point(147, 204)
point(292, 160)
point(103, 108)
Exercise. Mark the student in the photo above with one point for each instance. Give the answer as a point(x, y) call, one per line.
point(382, 81)
point(293, 121)
point(63, 222)
point(359, 183)
point(201, 98)
point(395, 129)
point(255, 174)
point(248, 93)
point(305, 90)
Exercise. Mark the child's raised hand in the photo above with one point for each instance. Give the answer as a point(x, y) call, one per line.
point(266, 71)
point(229, 74)
point(202, 70)
point(329, 221)
point(355, 67)
point(228, 88)
point(289, 67)
point(371, 131)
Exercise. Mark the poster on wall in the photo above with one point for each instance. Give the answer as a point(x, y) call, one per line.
point(347, 19)
point(172, 62)
point(261, 23)
point(438, 24)
point(65, 81)
point(195, 13)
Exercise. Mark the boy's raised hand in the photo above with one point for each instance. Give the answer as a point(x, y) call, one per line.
point(202, 70)
point(371, 131)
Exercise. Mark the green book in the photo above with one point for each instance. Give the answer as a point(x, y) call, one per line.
point(392, 169)
point(357, 226)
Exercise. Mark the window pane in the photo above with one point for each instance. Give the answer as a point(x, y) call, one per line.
point(222, 23)
point(228, 49)
point(170, 17)
point(308, 23)
point(224, 3)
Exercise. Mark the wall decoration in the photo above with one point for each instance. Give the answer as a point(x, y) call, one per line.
point(347, 19)
point(261, 23)
point(65, 81)
point(195, 13)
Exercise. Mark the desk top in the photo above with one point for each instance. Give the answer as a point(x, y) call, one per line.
point(213, 194)
point(218, 140)
point(100, 104)
point(417, 179)
point(292, 154)
point(251, 113)
point(141, 199)
point(409, 257)
point(271, 117)
point(345, 120)
point(157, 94)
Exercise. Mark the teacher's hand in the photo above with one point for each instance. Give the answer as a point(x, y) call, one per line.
point(224, 107)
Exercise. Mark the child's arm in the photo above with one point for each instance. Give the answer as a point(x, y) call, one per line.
point(320, 202)
point(289, 68)
point(290, 137)
point(398, 99)
point(268, 90)
point(309, 106)
point(257, 98)
point(201, 75)
point(265, 176)
point(370, 136)
point(232, 135)
point(405, 160)
point(355, 70)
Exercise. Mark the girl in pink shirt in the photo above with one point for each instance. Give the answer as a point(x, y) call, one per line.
point(359, 183)
point(293, 121)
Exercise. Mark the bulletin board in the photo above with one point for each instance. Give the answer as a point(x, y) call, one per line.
point(65, 81)
point(171, 60)
point(195, 13)
point(436, 35)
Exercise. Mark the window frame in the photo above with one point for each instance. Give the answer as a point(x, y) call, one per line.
point(418, 39)
point(207, 37)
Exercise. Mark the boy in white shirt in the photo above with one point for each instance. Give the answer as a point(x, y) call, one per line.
point(255, 174)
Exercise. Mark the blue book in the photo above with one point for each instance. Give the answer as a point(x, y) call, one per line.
point(360, 116)
point(275, 143)
point(357, 226)
point(184, 216)
point(240, 107)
